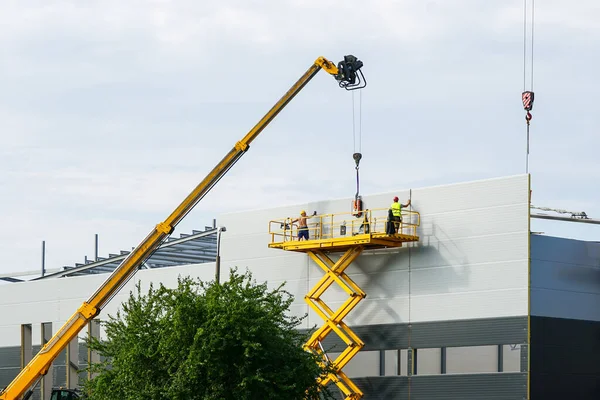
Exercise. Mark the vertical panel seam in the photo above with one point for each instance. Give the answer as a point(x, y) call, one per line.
point(528, 286)
point(413, 365)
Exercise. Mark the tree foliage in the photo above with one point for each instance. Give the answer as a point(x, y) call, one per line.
point(205, 341)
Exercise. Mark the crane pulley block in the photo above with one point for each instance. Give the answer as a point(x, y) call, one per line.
point(527, 98)
point(349, 75)
point(357, 157)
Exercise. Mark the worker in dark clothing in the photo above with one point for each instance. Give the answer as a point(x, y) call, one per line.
point(389, 226)
point(365, 226)
point(395, 215)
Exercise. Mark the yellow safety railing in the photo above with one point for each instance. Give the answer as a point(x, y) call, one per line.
point(329, 226)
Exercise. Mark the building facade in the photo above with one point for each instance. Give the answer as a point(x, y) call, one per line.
point(477, 308)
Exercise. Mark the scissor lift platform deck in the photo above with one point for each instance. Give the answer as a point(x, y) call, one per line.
point(341, 244)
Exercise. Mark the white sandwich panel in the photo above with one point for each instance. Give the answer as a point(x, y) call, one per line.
point(466, 278)
point(471, 250)
point(469, 305)
point(370, 312)
point(482, 194)
point(10, 335)
point(471, 260)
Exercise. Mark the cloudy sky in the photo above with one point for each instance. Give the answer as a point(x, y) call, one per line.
point(110, 112)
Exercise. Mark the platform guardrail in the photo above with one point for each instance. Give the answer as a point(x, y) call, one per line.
point(338, 225)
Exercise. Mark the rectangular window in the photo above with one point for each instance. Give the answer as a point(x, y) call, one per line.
point(391, 362)
point(365, 363)
point(472, 359)
point(511, 360)
point(429, 361)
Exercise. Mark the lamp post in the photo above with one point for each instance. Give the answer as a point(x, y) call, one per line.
point(218, 260)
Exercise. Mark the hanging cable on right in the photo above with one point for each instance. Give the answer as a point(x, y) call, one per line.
point(527, 96)
point(357, 155)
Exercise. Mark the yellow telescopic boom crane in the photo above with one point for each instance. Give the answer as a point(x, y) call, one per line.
point(348, 75)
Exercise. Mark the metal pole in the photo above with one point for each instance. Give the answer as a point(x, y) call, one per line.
point(443, 361)
point(43, 257)
point(218, 259)
point(414, 362)
point(500, 358)
point(566, 219)
point(96, 248)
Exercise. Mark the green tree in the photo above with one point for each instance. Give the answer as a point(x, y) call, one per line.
point(205, 341)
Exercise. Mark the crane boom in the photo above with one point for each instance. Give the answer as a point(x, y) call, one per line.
point(348, 75)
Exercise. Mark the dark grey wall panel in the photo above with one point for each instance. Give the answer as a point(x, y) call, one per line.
point(565, 359)
point(375, 337)
point(469, 387)
point(562, 250)
point(505, 386)
point(60, 376)
point(556, 386)
point(524, 358)
point(381, 387)
point(10, 357)
point(7, 375)
point(10, 364)
point(565, 278)
point(465, 386)
point(478, 332)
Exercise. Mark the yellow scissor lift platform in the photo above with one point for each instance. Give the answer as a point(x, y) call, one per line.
point(347, 234)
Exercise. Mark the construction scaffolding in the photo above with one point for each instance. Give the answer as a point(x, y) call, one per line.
point(346, 234)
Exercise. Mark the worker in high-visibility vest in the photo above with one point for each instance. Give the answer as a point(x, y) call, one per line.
point(395, 215)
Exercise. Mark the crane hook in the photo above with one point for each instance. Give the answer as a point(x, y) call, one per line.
point(527, 98)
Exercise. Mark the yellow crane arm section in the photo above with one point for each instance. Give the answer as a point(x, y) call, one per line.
point(348, 75)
